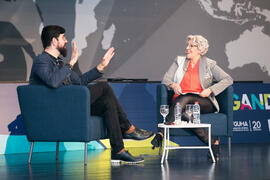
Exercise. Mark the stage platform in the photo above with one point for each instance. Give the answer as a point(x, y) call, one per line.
point(248, 161)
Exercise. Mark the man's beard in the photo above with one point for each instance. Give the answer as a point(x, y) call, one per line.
point(63, 51)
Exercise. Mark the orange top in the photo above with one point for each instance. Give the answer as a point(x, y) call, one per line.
point(190, 81)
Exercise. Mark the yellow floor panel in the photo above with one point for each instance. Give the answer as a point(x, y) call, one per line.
point(128, 143)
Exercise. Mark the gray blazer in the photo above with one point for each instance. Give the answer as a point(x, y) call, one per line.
point(209, 73)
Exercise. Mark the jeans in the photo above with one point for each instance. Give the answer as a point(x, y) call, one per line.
point(104, 103)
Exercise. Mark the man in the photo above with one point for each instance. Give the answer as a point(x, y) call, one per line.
point(49, 69)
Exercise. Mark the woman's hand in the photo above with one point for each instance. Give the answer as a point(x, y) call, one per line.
point(176, 88)
point(206, 92)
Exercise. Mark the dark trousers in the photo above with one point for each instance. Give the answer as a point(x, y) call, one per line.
point(206, 106)
point(104, 103)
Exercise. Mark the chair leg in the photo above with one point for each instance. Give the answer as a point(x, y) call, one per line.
point(57, 150)
point(30, 152)
point(85, 154)
point(229, 146)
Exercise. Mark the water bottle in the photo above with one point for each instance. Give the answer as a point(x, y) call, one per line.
point(177, 114)
point(196, 113)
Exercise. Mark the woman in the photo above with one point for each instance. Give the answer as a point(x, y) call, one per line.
point(191, 78)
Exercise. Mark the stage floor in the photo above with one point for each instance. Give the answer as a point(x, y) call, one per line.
point(248, 161)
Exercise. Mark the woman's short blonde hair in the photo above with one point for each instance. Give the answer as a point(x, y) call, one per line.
point(200, 42)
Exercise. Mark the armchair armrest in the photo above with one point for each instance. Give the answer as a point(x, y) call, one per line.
point(162, 98)
point(225, 101)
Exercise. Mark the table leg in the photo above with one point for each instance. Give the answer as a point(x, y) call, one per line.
point(164, 148)
point(209, 144)
point(168, 142)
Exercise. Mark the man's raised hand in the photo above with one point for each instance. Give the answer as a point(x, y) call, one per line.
point(74, 55)
point(106, 59)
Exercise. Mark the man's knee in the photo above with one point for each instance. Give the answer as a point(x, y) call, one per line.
point(106, 88)
point(103, 85)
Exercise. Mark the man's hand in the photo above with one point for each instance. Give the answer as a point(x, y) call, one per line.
point(106, 59)
point(74, 55)
point(176, 88)
point(206, 92)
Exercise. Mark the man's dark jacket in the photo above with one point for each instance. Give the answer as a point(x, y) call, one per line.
point(48, 70)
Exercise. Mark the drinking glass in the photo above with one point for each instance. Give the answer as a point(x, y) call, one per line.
point(164, 111)
point(189, 110)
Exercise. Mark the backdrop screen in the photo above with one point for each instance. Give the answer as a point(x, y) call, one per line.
point(147, 35)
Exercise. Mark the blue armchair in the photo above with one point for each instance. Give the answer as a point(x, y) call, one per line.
point(59, 115)
point(221, 122)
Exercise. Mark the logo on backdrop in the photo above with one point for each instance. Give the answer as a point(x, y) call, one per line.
point(250, 126)
point(251, 102)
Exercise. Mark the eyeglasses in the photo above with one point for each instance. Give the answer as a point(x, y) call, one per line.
point(191, 45)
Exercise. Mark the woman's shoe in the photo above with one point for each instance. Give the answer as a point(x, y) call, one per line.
point(157, 141)
point(216, 152)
